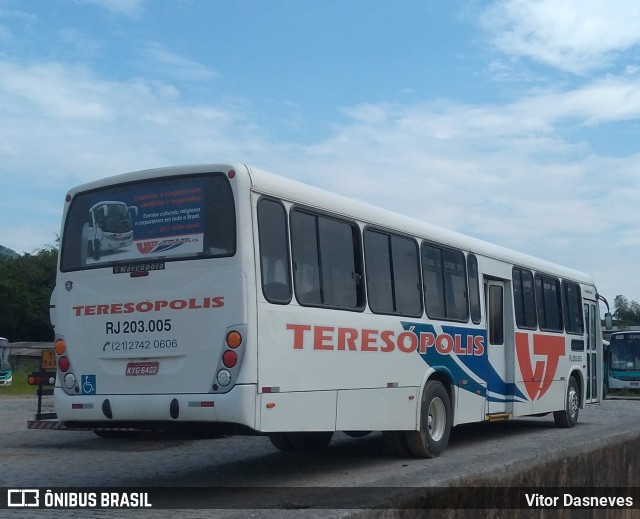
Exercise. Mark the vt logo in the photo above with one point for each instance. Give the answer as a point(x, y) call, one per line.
point(147, 246)
point(552, 347)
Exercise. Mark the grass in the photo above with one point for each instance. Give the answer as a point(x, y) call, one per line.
point(19, 385)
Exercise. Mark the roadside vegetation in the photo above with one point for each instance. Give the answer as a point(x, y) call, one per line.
point(26, 283)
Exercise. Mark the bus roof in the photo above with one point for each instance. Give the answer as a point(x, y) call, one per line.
point(298, 192)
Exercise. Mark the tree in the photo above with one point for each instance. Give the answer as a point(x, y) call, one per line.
point(626, 313)
point(26, 283)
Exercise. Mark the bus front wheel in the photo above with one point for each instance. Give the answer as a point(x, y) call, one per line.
point(569, 416)
point(435, 422)
point(93, 249)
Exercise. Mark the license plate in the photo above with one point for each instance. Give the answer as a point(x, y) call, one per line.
point(635, 384)
point(135, 369)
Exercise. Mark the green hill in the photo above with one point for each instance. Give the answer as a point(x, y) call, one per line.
point(8, 252)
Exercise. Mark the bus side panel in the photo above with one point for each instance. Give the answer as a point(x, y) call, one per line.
point(385, 409)
point(554, 397)
point(469, 406)
point(298, 411)
point(522, 408)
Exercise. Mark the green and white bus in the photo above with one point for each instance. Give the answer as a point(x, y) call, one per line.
point(624, 361)
point(6, 372)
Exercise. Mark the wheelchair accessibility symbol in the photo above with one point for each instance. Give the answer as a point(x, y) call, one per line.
point(88, 384)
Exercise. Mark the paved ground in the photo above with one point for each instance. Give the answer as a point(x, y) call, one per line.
point(35, 458)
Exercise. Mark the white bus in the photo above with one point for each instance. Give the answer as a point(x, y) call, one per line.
point(109, 227)
point(253, 303)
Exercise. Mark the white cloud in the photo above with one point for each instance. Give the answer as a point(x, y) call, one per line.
point(578, 36)
point(131, 8)
point(603, 100)
point(501, 173)
point(173, 65)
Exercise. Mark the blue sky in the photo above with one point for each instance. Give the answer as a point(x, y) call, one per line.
point(513, 121)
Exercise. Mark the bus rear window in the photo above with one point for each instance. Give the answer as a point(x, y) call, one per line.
point(162, 219)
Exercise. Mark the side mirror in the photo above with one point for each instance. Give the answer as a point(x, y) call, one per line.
point(608, 321)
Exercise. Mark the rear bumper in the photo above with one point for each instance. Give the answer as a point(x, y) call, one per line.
point(238, 406)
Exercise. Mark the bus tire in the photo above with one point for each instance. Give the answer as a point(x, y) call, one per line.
point(357, 434)
point(96, 250)
point(568, 417)
point(115, 434)
point(310, 441)
point(395, 443)
point(435, 422)
point(281, 441)
point(93, 249)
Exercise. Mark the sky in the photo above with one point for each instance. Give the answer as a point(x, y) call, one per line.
point(512, 121)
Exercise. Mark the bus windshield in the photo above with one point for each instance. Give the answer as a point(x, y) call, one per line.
point(113, 217)
point(5, 357)
point(6, 372)
point(625, 353)
point(169, 219)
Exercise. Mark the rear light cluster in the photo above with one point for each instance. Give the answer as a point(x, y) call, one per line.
point(41, 378)
point(230, 360)
point(64, 366)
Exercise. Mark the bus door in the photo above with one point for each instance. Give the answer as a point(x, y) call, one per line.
point(592, 374)
point(500, 354)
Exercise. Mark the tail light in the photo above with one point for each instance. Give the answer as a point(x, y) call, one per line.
point(64, 365)
point(60, 347)
point(234, 339)
point(230, 359)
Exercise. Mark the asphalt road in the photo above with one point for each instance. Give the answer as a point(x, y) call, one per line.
point(47, 458)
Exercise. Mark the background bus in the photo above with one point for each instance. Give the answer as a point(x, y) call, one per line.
point(109, 227)
point(6, 373)
point(251, 302)
point(624, 361)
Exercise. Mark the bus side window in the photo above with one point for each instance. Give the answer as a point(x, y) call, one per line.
point(445, 283)
point(474, 288)
point(573, 316)
point(393, 274)
point(327, 261)
point(524, 299)
point(549, 303)
point(274, 251)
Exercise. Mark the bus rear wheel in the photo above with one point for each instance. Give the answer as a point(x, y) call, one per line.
point(395, 443)
point(107, 433)
point(310, 441)
point(281, 441)
point(569, 416)
point(435, 422)
point(301, 441)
